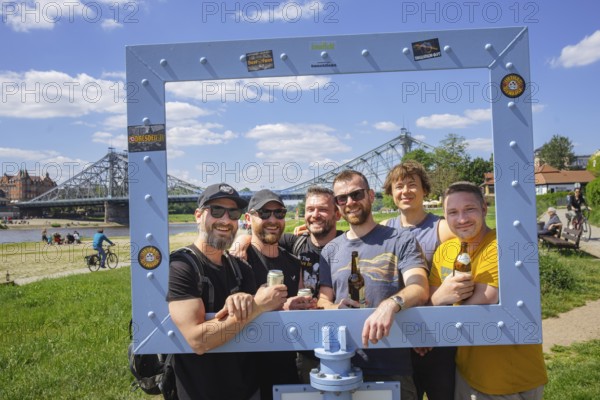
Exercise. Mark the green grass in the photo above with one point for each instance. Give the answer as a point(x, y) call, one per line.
point(174, 218)
point(574, 372)
point(567, 281)
point(67, 338)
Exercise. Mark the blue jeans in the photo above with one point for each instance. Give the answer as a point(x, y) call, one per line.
point(102, 255)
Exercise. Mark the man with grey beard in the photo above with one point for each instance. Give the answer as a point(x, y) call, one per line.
point(266, 215)
point(217, 282)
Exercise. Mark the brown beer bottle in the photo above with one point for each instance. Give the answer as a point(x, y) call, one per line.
point(356, 282)
point(463, 260)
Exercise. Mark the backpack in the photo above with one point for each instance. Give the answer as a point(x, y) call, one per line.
point(299, 243)
point(154, 373)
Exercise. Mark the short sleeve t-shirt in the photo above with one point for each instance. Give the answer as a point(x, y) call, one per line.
point(383, 255)
point(212, 376)
point(494, 370)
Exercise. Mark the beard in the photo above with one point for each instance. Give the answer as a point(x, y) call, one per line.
point(320, 231)
point(267, 237)
point(215, 240)
point(357, 218)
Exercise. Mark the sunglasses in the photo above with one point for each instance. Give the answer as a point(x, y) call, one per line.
point(266, 214)
point(357, 195)
point(218, 212)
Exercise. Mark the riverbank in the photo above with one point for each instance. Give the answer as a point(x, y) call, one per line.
point(41, 223)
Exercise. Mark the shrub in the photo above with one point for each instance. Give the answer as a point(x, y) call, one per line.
point(592, 192)
point(55, 225)
point(555, 276)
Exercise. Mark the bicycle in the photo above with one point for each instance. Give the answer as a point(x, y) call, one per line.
point(93, 260)
point(580, 221)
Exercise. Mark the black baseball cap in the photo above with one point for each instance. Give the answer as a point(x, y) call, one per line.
point(263, 197)
point(221, 191)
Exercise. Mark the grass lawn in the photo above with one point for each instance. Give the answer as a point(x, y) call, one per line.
point(67, 338)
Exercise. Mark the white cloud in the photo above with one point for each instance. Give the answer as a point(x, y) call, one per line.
point(480, 114)
point(538, 108)
point(119, 142)
point(480, 144)
point(29, 15)
point(49, 94)
point(115, 122)
point(386, 126)
point(110, 25)
point(27, 155)
point(586, 52)
point(198, 135)
point(283, 141)
point(41, 161)
point(179, 111)
point(453, 121)
point(251, 90)
point(117, 75)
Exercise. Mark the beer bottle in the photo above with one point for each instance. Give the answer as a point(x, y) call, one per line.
point(463, 260)
point(356, 282)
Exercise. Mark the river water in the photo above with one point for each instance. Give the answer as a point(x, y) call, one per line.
point(86, 233)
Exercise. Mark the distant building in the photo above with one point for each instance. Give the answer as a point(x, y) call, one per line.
point(24, 187)
point(579, 162)
point(547, 180)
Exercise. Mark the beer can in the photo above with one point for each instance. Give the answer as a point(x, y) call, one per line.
point(274, 277)
point(306, 292)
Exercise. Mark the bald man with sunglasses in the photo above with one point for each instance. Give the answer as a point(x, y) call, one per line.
point(395, 273)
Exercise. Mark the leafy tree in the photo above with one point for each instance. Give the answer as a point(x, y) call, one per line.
point(475, 170)
point(388, 202)
point(594, 164)
point(301, 206)
point(558, 152)
point(451, 160)
point(425, 158)
point(592, 192)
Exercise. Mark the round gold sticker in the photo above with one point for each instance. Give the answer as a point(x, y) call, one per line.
point(149, 257)
point(512, 85)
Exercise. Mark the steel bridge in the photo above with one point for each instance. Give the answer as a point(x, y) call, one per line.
point(374, 164)
point(106, 182)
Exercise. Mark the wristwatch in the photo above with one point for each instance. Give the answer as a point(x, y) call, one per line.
point(399, 301)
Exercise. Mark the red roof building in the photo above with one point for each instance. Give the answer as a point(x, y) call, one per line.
point(547, 180)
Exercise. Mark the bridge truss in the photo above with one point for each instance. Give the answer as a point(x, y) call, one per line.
point(105, 180)
point(375, 164)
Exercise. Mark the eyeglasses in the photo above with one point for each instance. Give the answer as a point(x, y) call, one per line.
point(218, 212)
point(357, 195)
point(266, 214)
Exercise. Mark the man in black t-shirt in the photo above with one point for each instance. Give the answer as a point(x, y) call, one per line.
point(320, 216)
point(266, 215)
point(206, 375)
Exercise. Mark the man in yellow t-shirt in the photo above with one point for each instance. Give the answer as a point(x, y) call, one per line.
point(482, 372)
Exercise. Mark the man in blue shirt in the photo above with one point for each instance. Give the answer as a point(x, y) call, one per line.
point(99, 238)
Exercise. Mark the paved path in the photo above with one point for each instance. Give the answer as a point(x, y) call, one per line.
point(582, 323)
point(592, 246)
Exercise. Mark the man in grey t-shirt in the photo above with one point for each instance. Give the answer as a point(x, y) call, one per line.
point(395, 273)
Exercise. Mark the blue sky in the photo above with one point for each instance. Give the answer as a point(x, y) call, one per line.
point(62, 73)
